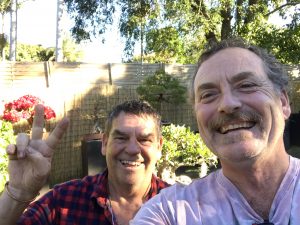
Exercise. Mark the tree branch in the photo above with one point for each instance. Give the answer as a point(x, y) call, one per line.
point(282, 6)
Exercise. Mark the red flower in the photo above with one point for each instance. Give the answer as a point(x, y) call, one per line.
point(23, 108)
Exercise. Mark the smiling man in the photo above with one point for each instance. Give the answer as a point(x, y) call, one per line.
point(239, 93)
point(132, 145)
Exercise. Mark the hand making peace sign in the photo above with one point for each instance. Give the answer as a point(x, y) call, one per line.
point(30, 159)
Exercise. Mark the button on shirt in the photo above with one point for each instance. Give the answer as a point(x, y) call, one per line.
point(82, 201)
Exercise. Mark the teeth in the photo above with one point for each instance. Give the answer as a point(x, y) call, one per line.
point(227, 128)
point(130, 163)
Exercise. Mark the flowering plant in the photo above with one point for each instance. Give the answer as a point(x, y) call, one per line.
point(23, 108)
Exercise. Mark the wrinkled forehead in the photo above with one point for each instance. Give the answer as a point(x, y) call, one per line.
point(229, 62)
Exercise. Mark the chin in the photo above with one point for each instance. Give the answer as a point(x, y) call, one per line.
point(240, 153)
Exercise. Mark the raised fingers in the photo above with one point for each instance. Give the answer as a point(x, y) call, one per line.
point(22, 142)
point(11, 151)
point(38, 123)
point(57, 134)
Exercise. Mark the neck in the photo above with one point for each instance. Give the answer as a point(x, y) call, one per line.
point(128, 191)
point(125, 201)
point(257, 171)
point(258, 180)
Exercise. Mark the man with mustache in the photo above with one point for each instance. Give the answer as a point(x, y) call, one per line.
point(132, 144)
point(239, 93)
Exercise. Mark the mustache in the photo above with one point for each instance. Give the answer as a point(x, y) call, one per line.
point(221, 120)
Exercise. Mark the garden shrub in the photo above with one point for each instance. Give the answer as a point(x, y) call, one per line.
point(6, 138)
point(182, 147)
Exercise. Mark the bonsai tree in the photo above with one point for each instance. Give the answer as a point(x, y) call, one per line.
point(161, 88)
point(182, 147)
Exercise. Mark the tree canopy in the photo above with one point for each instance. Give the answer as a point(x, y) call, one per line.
point(177, 30)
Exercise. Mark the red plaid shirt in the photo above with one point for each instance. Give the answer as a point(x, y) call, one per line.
point(78, 202)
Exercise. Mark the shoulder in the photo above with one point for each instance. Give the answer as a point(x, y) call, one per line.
point(199, 186)
point(171, 202)
point(72, 196)
point(73, 189)
point(177, 192)
point(77, 184)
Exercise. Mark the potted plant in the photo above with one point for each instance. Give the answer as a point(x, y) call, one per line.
point(92, 160)
point(182, 147)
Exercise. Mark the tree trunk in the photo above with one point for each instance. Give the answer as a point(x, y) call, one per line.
point(13, 31)
point(226, 20)
point(59, 38)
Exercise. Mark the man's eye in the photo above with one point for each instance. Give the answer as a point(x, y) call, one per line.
point(146, 141)
point(247, 85)
point(206, 97)
point(120, 138)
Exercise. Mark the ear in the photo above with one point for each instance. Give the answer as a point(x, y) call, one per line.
point(160, 144)
point(286, 109)
point(104, 144)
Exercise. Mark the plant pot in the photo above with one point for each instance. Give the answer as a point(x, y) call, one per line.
point(93, 161)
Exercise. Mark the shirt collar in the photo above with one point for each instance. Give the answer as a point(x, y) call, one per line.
point(101, 193)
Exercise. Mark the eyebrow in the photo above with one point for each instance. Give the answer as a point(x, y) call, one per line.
point(237, 77)
point(118, 133)
point(121, 133)
point(148, 135)
point(241, 76)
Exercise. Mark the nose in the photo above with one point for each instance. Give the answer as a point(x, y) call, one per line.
point(133, 147)
point(229, 102)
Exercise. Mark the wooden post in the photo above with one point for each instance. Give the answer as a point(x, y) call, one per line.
point(109, 74)
point(47, 73)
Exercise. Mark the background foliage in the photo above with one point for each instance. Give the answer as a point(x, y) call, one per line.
point(182, 147)
point(161, 88)
point(37, 53)
point(6, 137)
point(177, 30)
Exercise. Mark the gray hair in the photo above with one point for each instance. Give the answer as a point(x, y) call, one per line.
point(273, 68)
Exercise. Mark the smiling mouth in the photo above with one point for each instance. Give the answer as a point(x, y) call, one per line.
point(130, 163)
point(232, 127)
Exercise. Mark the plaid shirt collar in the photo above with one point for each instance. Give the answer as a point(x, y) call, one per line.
point(101, 192)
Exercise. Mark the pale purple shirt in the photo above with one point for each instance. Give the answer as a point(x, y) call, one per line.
point(214, 200)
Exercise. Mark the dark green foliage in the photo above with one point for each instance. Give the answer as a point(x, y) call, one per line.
point(161, 88)
point(176, 30)
point(91, 17)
